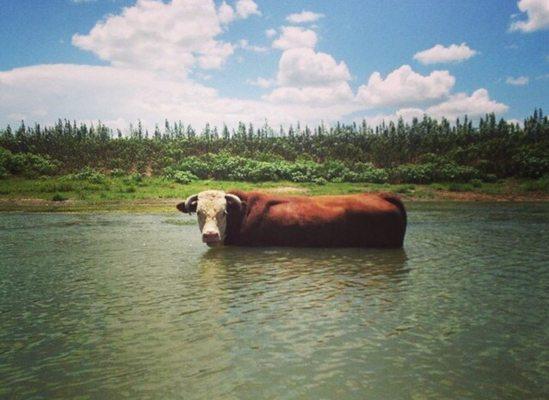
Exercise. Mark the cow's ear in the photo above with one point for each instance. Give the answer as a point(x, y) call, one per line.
point(189, 205)
point(183, 208)
point(234, 203)
point(233, 208)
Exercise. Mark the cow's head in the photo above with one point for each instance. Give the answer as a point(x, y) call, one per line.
point(212, 208)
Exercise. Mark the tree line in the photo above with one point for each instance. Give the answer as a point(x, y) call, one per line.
point(419, 151)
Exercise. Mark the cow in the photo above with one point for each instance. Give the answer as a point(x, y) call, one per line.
point(262, 219)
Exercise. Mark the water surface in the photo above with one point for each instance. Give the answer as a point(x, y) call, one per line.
point(135, 306)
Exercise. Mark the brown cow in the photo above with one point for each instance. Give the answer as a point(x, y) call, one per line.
point(262, 219)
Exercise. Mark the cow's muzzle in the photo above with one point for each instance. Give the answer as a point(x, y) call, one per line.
point(211, 237)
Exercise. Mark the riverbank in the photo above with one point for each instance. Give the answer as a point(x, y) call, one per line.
point(151, 194)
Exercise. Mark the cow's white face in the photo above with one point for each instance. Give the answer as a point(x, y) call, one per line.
point(211, 209)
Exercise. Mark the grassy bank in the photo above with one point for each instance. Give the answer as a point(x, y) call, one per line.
point(135, 193)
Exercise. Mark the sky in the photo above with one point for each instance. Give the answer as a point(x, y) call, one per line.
point(271, 61)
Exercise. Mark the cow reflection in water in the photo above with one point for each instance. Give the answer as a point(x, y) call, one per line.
point(303, 276)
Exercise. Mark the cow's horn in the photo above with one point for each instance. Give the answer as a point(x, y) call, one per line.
point(231, 198)
point(190, 200)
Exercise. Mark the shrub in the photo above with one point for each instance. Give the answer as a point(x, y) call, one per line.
point(53, 187)
point(4, 156)
point(476, 183)
point(431, 158)
point(332, 170)
point(224, 166)
point(420, 173)
point(320, 181)
point(37, 165)
point(303, 171)
point(452, 172)
point(183, 177)
point(59, 197)
point(117, 172)
point(134, 178)
point(195, 166)
point(431, 172)
point(539, 185)
point(529, 164)
point(490, 178)
point(14, 163)
point(27, 164)
point(89, 175)
point(260, 171)
point(366, 172)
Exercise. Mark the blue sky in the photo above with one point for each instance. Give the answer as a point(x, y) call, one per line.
point(200, 60)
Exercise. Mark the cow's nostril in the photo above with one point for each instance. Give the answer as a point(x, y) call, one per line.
point(210, 235)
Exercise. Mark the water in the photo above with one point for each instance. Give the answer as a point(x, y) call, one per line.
point(134, 306)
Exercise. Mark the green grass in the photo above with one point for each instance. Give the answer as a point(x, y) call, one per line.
point(58, 197)
point(153, 193)
point(460, 187)
point(539, 185)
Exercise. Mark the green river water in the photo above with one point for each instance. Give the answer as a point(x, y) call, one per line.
point(135, 306)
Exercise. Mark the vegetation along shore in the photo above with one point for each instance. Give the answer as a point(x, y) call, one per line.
point(76, 167)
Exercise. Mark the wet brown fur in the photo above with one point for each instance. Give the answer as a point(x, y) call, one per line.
point(361, 220)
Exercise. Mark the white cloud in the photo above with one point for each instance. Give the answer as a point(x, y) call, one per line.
point(538, 16)
point(518, 81)
point(225, 13)
point(305, 67)
point(171, 37)
point(245, 45)
point(476, 105)
point(294, 37)
point(404, 86)
point(441, 54)
point(304, 17)
point(261, 82)
point(270, 32)
point(153, 35)
point(245, 8)
point(213, 54)
point(308, 77)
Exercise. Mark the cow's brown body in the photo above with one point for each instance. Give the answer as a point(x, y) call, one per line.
point(362, 220)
